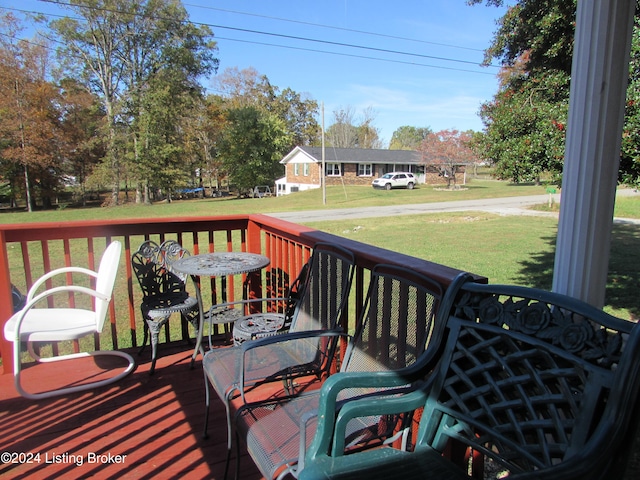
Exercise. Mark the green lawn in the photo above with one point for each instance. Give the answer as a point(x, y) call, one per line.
point(511, 249)
point(506, 249)
point(337, 197)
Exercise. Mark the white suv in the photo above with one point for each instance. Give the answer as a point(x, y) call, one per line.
point(395, 180)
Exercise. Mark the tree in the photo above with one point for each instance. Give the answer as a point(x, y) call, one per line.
point(408, 137)
point(542, 28)
point(447, 150)
point(248, 88)
point(29, 115)
point(535, 42)
point(526, 127)
point(255, 111)
point(203, 130)
point(630, 155)
point(299, 113)
point(252, 146)
point(83, 146)
point(123, 46)
point(345, 133)
point(525, 123)
point(160, 154)
point(368, 135)
point(342, 133)
point(97, 41)
point(167, 56)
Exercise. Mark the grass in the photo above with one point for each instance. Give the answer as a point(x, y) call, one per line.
point(517, 250)
point(627, 207)
point(337, 197)
point(506, 249)
point(472, 241)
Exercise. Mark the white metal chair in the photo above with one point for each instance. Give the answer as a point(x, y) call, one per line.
point(32, 324)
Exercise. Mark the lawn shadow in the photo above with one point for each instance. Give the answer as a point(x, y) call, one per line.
point(537, 270)
point(624, 264)
point(623, 281)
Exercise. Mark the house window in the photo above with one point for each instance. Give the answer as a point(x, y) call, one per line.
point(305, 169)
point(365, 170)
point(333, 169)
point(296, 169)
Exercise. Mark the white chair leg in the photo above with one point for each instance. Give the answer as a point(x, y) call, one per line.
point(64, 391)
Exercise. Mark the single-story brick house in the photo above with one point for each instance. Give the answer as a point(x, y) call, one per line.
point(351, 166)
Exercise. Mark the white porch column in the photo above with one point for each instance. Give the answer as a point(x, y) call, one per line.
point(596, 113)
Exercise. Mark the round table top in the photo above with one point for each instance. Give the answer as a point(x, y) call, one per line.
point(219, 264)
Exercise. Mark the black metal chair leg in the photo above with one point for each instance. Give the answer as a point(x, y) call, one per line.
point(146, 334)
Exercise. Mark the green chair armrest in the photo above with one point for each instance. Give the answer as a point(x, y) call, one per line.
point(328, 422)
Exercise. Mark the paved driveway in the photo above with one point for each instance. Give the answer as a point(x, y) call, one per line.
point(501, 206)
point(509, 205)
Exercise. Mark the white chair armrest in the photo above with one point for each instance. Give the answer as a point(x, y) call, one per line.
point(53, 273)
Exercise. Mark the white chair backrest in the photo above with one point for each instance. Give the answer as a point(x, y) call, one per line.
point(106, 280)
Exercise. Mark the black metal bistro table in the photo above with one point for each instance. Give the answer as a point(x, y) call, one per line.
point(217, 264)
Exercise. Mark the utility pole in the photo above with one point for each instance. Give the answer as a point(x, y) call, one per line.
point(322, 174)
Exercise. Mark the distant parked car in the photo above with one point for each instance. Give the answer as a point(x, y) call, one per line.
point(395, 180)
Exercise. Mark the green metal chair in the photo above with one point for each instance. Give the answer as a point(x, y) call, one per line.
point(395, 328)
point(536, 384)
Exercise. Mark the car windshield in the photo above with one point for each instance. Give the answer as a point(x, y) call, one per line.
point(387, 175)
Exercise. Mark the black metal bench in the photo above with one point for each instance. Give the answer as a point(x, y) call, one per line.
point(529, 383)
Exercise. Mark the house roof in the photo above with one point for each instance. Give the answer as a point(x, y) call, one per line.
point(356, 155)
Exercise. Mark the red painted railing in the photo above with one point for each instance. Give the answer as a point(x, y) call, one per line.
point(29, 250)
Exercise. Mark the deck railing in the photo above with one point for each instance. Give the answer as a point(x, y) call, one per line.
point(29, 250)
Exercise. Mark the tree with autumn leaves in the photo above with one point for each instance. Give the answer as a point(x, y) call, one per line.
point(29, 118)
point(447, 150)
point(46, 129)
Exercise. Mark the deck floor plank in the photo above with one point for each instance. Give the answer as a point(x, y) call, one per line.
point(154, 423)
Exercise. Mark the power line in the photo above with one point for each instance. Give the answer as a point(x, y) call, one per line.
point(333, 27)
point(356, 56)
point(290, 47)
point(294, 37)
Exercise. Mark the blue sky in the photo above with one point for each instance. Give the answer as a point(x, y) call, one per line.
point(414, 62)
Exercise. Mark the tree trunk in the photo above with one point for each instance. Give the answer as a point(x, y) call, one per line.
point(111, 154)
point(27, 188)
point(139, 194)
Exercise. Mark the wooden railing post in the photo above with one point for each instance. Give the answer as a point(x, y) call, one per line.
point(6, 306)
point(254, 245)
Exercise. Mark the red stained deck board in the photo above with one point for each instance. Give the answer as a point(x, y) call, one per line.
point(156, 421)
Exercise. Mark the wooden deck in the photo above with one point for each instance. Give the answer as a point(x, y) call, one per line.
point(142, 427)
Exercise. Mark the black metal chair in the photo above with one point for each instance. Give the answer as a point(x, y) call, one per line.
point(163, 291)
